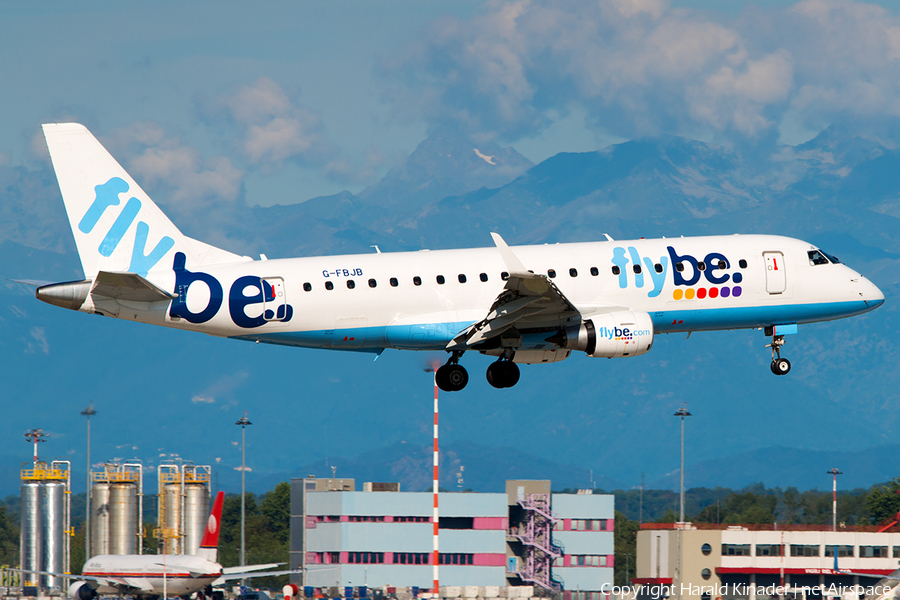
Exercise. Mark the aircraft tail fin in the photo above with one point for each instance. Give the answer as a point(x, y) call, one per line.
point(117, 227)
point(209, 545)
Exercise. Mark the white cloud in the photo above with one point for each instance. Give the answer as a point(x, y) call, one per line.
point(163, 162)
point(38, 341)
point(640, 67)
point(224, 386)
point(274, 128)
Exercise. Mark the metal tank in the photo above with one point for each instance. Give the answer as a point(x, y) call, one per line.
point(196, 514)
point(99, 519)
point(31, 528)
point(173, 517)
point(123, 519)
point(53, 525)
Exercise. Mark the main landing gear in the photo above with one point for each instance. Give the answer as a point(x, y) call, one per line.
point(503, 374)
point(452, 377)
point(779, 366)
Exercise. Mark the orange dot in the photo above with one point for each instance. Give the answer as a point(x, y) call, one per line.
point(689, 294)
point(677, 294)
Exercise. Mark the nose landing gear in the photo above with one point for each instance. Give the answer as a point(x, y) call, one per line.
point(779, 366)
point(452, 377)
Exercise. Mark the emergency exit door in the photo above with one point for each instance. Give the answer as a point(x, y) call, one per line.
point(776, 278)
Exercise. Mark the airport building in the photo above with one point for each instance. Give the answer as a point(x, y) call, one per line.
point(524, 537)
point(741, 561)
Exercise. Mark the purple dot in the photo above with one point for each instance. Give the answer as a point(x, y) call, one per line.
point(736, 291)
point(725, 292)
point(737, 278)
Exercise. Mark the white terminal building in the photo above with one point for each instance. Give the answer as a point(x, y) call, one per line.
point(739, 561)
point(527, 536)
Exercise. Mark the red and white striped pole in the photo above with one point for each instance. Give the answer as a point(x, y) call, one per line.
point(437, 589)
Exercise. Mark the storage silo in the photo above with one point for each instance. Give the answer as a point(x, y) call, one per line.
point(53, 532)
point(172, 518)
point(123, 518)
point(100, 518)
point(45, 521)
point(196, 514)
point(31, 528)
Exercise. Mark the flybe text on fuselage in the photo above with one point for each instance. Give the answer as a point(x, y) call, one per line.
point(688, 271)
point(246, 291)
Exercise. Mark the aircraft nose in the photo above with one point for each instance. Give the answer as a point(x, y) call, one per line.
point(869, 292)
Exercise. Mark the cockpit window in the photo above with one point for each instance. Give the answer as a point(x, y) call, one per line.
point(816, 258)
point(832, 258)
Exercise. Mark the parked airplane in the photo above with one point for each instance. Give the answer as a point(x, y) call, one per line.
point(528, 304)
point(159, 575)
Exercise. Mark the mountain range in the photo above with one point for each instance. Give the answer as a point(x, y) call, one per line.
point(170, 395)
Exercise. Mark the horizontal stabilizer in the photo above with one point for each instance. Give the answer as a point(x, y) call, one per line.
point(32, 282)
point(128, 286)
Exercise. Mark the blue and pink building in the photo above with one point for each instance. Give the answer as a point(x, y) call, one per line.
point(527, 536)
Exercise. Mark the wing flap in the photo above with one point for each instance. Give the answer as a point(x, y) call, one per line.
point(526, 298)
point(128, 286)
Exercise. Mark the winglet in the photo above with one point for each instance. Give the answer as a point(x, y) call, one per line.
point(512, 261)
point(210, 543)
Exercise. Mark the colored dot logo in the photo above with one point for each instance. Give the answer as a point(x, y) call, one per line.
point(712, 293)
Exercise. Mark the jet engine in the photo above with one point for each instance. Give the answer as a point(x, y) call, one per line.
point(611, 335)
point(80, 590)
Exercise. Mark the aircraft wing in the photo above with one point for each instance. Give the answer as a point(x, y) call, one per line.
point(527, 300)
point(251, 574)
point(128, 286)
point(248, 568)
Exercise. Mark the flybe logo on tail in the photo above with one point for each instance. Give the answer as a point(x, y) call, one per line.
point(107, 195)
point(688, 271)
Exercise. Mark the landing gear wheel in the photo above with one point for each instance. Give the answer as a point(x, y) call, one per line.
point(781, 366)
point(503, 374)
point(452, 377)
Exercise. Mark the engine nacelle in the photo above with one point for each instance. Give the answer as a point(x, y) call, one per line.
point(616, 334)
point(80, 590)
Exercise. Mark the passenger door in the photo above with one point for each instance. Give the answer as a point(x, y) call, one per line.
point(776, 277)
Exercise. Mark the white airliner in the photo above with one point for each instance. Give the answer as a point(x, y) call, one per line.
point(161, 575)
point(527, 304)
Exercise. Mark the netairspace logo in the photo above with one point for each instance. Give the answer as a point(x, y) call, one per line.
point(742, 590)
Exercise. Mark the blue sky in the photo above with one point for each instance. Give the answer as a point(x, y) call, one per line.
point(283, 101)
point(280, 102)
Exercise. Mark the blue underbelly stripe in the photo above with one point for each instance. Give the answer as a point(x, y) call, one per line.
point(436, 336)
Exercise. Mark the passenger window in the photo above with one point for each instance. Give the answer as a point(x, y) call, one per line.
point(394, 282)
point(307, 287)
point(722, 264)
point(595, 271)
point(616, 270)
point(658, 268)
point(372, 283)
point(504, 276)
point(551, 273)
point(462, 278)
point(351, 284)
point(329, 285)
point(742, 263)
point(440, 279)
point(701, 266)
point(483, 277)
point(636, 269)
point(573, 272)
point(417, 280)
point(679, 267)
